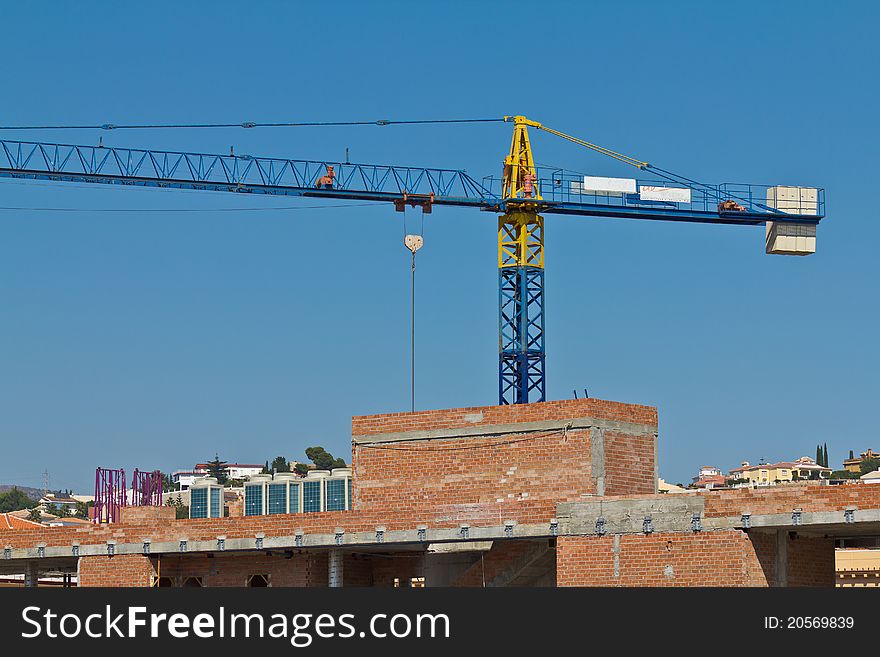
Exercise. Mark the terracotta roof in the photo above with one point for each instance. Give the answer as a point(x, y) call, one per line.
point(9, 521)
point(719, 480)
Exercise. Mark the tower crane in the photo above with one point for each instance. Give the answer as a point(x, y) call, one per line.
point(522, 195)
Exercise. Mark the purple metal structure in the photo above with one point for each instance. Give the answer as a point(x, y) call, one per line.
point(109, 494)
point(146, 488)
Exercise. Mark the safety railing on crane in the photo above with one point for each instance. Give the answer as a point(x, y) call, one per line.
point(563, 186)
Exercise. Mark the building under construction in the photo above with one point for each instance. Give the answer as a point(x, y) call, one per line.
point(543, 494)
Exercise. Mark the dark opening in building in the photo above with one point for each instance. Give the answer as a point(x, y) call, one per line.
point(258, 581)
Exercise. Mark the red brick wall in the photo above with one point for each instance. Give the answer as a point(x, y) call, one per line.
point(717, 558)
point(475, 480)
point(811, 561)
point(136, 514)
point(629, 464)
point(762, 568)
point(722, 558)
point(115, 571)
point(483, 478)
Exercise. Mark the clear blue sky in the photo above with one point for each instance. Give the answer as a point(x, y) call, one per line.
point(157, 339)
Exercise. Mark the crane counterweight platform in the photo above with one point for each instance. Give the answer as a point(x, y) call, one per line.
point(521, 197)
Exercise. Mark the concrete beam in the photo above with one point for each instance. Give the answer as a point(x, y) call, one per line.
point(260, 542)
point(631, 428)
point(667, 513)
point(670, 513)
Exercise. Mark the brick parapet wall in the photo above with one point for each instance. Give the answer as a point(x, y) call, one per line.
point(132, 515)
point(783, 498)
point(365, 425)
point(809, 497)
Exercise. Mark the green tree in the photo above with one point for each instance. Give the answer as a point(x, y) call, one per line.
point(842, 474)
point(15, 500)
point(82, 510)
point(35, 515)
point(279, 464)
point(301, 469)
point(851, 454)
point(167, 484)
point(825, 455)
point(818, 454)
point(218, 470)
point(869, 465)
point(323, 459)
point(181, 511)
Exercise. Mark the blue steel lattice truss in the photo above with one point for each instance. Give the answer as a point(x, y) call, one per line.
point(521, 335)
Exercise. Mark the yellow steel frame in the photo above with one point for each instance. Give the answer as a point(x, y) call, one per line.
point(520, 239)
point(521, 229)
point(519, 163)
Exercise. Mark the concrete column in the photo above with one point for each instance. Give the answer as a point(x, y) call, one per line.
point(334, 574)
point(31, 574)
point(781, 557)
point(615, 552)
point(597, 447)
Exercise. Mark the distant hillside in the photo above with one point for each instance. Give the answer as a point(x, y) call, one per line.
point(33, 493)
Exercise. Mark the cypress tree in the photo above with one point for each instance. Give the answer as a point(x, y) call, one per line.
point(825, 456)
point(818, 454)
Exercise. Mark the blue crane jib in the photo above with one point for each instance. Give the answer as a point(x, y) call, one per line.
point(562, 191)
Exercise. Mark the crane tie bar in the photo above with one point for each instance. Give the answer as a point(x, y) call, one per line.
point(245, 124)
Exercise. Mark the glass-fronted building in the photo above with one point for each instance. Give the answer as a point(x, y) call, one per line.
point(206, 498)
point(287, 492)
